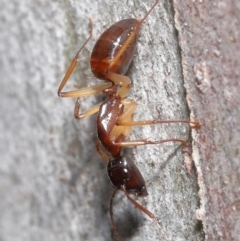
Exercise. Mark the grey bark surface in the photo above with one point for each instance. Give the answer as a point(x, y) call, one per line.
point(53, 183)
point(210, 48)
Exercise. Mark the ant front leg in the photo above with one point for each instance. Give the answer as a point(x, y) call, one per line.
point(149, 142)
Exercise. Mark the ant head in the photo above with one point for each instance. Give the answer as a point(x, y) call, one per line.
point(122, 171)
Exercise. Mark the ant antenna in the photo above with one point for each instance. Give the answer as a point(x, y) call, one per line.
point(115, 233)
point(143, 209)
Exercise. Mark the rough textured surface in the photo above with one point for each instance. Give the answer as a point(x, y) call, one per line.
point(210, 46)
point(53, 184)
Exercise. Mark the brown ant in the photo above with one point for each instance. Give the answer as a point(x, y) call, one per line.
point(114, 123)
point(110, 59)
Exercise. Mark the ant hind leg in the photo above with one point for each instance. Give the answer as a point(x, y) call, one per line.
point(74, 62)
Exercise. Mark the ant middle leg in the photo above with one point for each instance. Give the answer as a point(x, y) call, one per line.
point(193, 124)
point(125, 123)
point(126, 119)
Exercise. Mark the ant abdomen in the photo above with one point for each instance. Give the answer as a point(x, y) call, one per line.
point(114, 50)
point(122, 171)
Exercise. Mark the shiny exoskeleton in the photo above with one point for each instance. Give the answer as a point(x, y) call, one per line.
point(109, 54)
point(122, 171)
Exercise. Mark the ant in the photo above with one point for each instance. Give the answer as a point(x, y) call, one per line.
point(110, 59)
point(114, 123)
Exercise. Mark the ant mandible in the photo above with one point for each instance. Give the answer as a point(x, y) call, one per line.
point(110, 59)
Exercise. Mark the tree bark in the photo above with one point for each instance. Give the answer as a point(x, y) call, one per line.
point(209, 39)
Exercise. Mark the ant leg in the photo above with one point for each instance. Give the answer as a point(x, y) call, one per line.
point(84, 91)
point(122, 81)
point(101, 152)
point(193, 124)
point(129, 108)
point(148, 142)
point(115, 233)
point(89, 112)
point(126, 120)
point(147, 212)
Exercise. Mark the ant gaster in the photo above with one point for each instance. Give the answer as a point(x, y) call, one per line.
point(110, 59)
